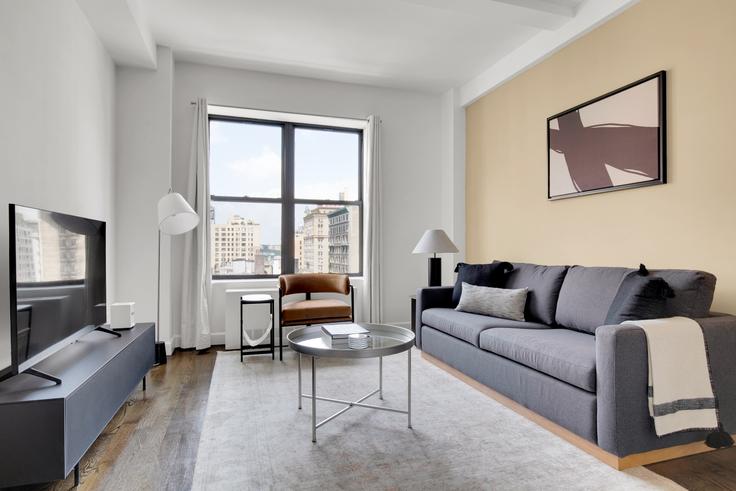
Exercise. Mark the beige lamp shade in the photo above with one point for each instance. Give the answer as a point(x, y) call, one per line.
point(434, 241)
point(175, 216)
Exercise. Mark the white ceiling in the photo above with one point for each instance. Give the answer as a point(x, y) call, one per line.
point(429, 45)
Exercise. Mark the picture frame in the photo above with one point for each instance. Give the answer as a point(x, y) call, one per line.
point(613, 142)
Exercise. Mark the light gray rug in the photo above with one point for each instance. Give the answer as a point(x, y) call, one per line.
point(254, 437)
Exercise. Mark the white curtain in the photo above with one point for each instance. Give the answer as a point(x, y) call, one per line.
point(196, 277)
point(373, 236)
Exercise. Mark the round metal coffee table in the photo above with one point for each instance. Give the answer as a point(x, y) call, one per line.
point(384, 340)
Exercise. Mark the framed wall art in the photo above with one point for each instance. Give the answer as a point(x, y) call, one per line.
point(613, 142)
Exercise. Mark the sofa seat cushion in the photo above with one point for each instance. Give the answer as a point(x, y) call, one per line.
point(467, 326)
point(323, 309)
point(561, 353)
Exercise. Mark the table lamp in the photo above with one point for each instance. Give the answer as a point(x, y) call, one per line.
point(434, 241)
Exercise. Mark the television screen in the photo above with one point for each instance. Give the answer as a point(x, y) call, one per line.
point(57, 281)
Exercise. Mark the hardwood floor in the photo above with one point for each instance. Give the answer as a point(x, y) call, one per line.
point(151, 443)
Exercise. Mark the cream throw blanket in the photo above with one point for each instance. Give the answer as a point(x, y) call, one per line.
point(680, 390)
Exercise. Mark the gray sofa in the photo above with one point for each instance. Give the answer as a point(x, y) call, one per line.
point(564, 364)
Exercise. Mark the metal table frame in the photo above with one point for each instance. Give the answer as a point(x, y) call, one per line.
point(258, 299)
point(359, 402)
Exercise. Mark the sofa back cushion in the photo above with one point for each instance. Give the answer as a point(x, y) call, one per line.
point(588, 292)
point(543, 284)
point(586, 295)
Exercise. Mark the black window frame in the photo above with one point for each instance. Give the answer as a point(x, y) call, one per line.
point(287, 201)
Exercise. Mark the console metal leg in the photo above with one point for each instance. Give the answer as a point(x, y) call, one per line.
point(108, 331)
point(314, 401)
point(408, 398)
point(43, 375)
point(144, 383)
point(76, 475)
point(299, 370)
point(380, 377)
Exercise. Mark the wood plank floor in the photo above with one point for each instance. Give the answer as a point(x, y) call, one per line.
point(151, 443)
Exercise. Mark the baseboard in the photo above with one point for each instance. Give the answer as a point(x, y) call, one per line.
point(217, 338)
point(619, 463)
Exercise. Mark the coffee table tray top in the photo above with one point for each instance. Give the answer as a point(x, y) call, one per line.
point(384, 340)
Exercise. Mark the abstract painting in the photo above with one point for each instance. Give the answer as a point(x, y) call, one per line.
point(615, 141)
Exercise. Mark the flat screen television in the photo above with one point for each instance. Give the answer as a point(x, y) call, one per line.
point(57, 282)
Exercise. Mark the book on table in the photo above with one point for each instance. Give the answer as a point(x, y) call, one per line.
point(342, 331)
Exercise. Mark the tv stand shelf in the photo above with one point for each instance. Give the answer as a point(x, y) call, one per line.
point(46, 428)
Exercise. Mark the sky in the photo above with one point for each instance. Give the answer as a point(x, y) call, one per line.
point(245, 159)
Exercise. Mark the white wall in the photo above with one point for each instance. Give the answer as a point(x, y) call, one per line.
point(143, 158)
point(56, 133)
point(411, 153)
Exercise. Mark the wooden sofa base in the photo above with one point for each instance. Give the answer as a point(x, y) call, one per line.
point(619, 463)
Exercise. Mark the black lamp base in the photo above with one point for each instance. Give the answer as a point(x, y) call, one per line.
point(160, 353)
point(435, 271)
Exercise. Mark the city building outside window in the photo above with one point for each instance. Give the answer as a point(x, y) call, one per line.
point(285, 198)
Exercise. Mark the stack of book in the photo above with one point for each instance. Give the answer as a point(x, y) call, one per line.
point(336, 335)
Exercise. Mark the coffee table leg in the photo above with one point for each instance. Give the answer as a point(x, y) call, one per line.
point(314, 401)
point(299, 369)
point(408, 400)
point(380, 377)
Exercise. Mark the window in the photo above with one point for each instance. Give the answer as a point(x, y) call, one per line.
point(285, 198)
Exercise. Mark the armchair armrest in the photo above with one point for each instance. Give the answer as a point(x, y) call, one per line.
point(622, 368)
point(428, 298)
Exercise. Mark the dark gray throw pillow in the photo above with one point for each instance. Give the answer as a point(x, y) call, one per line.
point(640, 296)
point(493, 274)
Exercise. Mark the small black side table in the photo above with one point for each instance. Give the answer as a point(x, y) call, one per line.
point(414, 313)
point(260, 349)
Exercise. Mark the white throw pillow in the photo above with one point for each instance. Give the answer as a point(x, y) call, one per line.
point(503, 303)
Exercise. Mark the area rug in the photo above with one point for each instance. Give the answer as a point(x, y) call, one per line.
point(254, 437)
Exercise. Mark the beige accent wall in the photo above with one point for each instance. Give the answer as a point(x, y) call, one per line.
point(690, 222)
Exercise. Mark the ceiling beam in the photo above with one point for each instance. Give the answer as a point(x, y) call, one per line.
point(121, 27)
point(591, 14)
point(540, 14)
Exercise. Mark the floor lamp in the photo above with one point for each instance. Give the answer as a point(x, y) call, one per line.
point(175, 217)
point(433, 242)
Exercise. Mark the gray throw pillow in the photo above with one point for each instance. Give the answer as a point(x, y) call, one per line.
point(497, 302)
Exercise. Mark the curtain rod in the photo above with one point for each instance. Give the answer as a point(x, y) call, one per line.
point(194, 103)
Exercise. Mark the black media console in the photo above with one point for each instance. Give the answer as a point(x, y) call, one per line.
point(45, 428)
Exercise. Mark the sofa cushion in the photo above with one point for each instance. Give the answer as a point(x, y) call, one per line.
point(492, 274)
point(693, 291)
point(503, 303)
point(586, 295)
point(466, 326)
point(640, 296)
point(588, 292)
point(544, 283)
point(561, 353)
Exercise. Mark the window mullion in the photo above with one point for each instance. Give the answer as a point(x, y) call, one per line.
point(287, 193)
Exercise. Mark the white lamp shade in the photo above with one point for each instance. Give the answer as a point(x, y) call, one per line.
point(175, 216)
point(434, 241)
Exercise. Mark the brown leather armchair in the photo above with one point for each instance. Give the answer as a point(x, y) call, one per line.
point(319, 311)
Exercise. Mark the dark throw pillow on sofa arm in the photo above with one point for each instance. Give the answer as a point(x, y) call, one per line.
point(493, 275)
point(640, 296)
